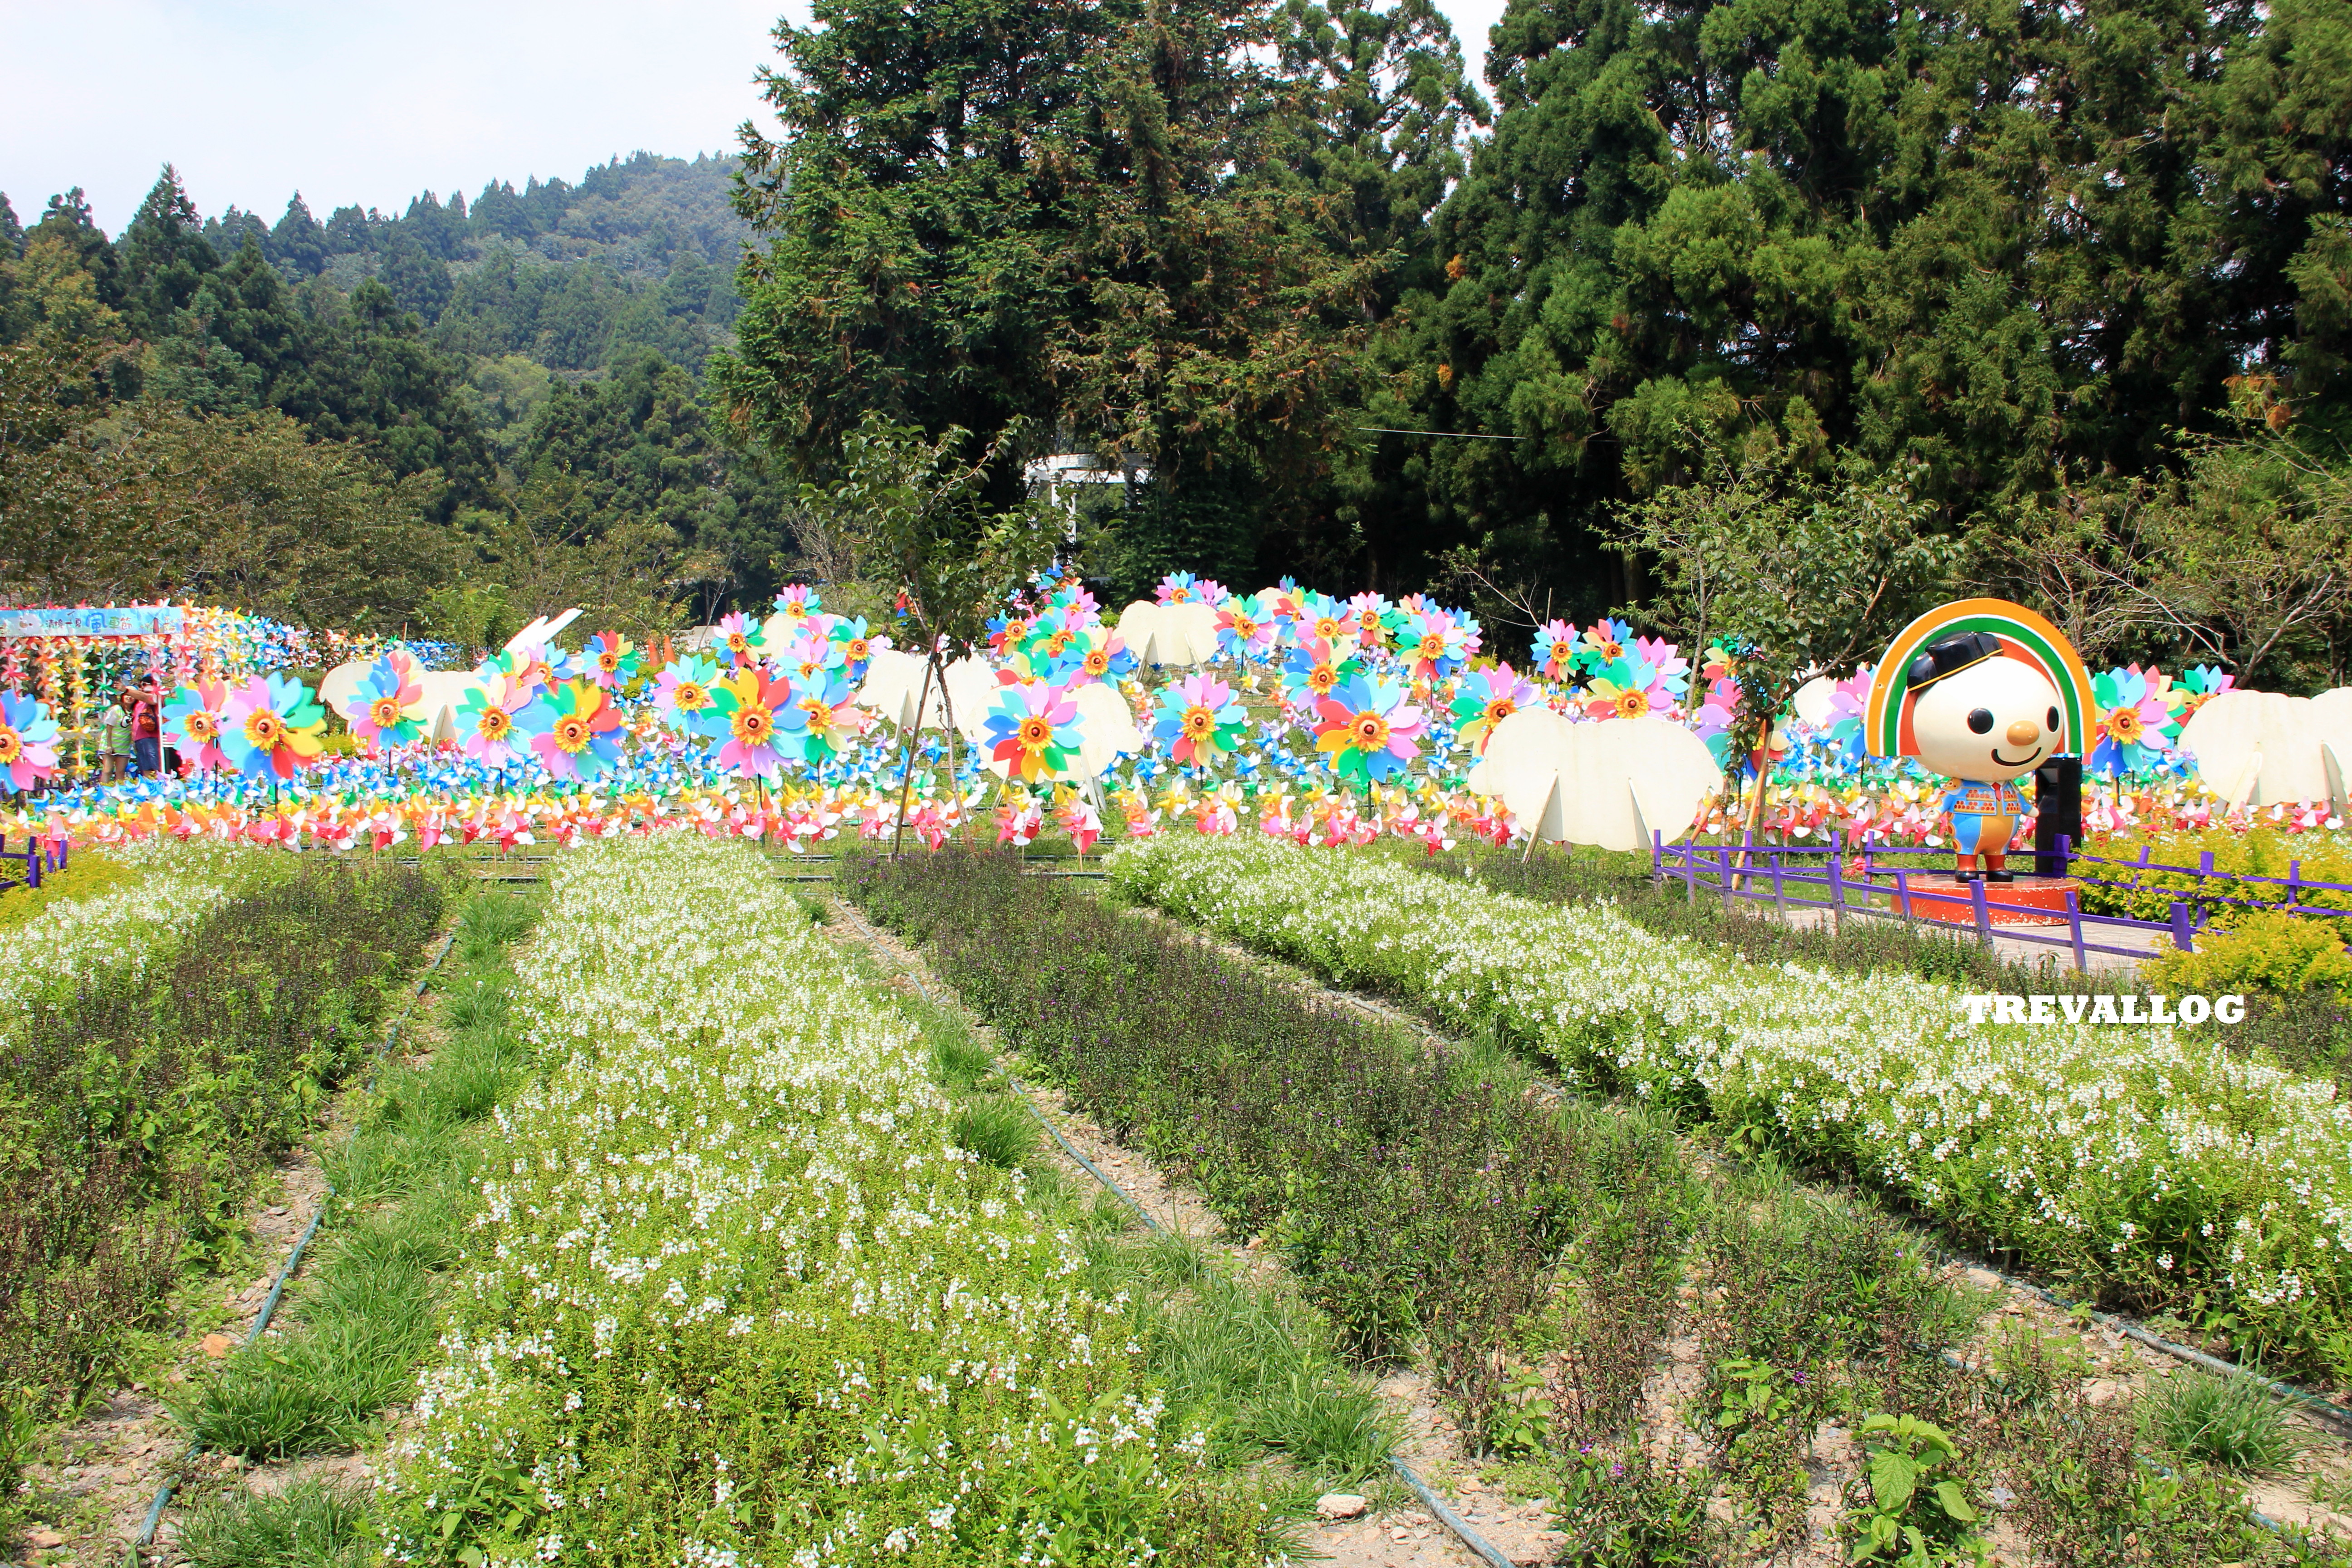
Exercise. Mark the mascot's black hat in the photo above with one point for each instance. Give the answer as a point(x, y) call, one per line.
point(1952, 656)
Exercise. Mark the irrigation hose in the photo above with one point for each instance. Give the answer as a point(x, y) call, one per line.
point(146, 1536)
point(1485, 1549)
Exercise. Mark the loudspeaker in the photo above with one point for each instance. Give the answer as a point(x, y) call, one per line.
point(2057, 809)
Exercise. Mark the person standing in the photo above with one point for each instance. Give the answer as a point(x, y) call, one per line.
point(114, 737)
point(147, 730)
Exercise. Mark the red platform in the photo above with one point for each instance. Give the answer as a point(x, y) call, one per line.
point(2029, 901)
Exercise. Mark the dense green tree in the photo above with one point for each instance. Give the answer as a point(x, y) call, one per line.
point(164, 255)
point(12, 233)
point(298, 243)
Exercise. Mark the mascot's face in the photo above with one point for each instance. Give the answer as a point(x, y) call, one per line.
point(1991, 722)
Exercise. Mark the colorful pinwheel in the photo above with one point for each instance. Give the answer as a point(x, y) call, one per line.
point(684, 696)
point(612, 660)
point(749, 703)
point(1243, 631)
point(1315, 669)
point(1371, 615)
point(822, 719)
point(1604, 643)
point(275, 728)
point(1368, 729)
point(2201, 684)
point(385, 705)
point(1032, 729)
point(742, 639)
point(193, 724)
point(1179, 588)
point(1098, 653)
point(1556, 651)
point(1436, 643)
point(581, 737)
point(1487, 697)
point(496, 719)
point(28, 736)
point(798, 602)
point(1200, 720)
point(2136, 723)
point(856, 643)
point(1628, 688)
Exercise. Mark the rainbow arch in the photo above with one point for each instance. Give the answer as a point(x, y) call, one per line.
point(2022, 634)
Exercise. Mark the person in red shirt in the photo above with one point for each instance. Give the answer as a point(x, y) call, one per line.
point(147, 729)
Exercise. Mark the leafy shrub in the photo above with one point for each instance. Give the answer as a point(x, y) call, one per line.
point(2248, 951)
point(997, 1128)
point(307, 1525)
point(87, 872)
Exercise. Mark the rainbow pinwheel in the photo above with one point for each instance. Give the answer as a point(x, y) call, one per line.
point(193, 723)
point(1032, 729)
point(2201, 684)
point(1604, 643)
point(856, 643)
point(611, 661)
point(1628, 688)
point(750, 705)
point(1487, 697)
point(1321, 617)
point(1436, 643)
point(2136, 722)
point(1556, 651)
point(1097, 653)
point(28, 737)
point(496, 721)
point(1672, 668)
point(742, 639)
point(1180, 588)
point(685, 696)
point(1200, 720)
point(1368, 730)
point(1370, 614)
point(275, 728)
point(384, 709)
point(1315, 669)
point(798, 602)
point(821, 721)
point(1244, 630)
point(1842, 737)
point(805, 653)
point(582, 734)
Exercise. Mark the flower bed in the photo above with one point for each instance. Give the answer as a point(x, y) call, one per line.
point(2126, 1159)
point(732, 1296)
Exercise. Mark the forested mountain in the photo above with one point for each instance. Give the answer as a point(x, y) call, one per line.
point(521, 374)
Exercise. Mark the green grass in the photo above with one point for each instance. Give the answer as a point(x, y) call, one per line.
point(2228, 1422)
point(307, 1525)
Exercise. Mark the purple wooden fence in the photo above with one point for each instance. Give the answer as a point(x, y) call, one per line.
point(1808, 876)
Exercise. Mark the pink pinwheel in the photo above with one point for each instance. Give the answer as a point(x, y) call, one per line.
point(1032, 729)
point(1368, 729)
point(1556, 651)
point(496, 721)
point(1200, 720)
point(1436, 643)
point(1667, 660)
point(580, 739)
point(1244, 630)
point(742, 639)
point(385, 704)
point(1628, 688)
point(28, 736)
point(1486, 697)
point(194, 723)
point(684, 697)
point(822, 719)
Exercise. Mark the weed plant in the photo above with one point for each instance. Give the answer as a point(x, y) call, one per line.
point(364, 1320)
point(2231, 1422)
point(137, 1108)
point(308, 1525)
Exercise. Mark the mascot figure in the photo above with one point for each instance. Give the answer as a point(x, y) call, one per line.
point(1985, 692)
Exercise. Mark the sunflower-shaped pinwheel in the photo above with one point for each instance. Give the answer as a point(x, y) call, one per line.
point(611, 661)
point(28, 737)
point(497, 720)
point(385, 706)
point(1487, 697)
point(1032, 729)
point(583, 733)
point(1200, 720)
point(749, 705)
point(1368, 730)
point(195, 723)
point(276, 728)
point(685, 696)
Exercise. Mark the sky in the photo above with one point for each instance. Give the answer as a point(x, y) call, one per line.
point(370, 103)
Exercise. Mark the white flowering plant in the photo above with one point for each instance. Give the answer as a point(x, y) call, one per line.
point(2137, 1162)
point(732, 1296)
